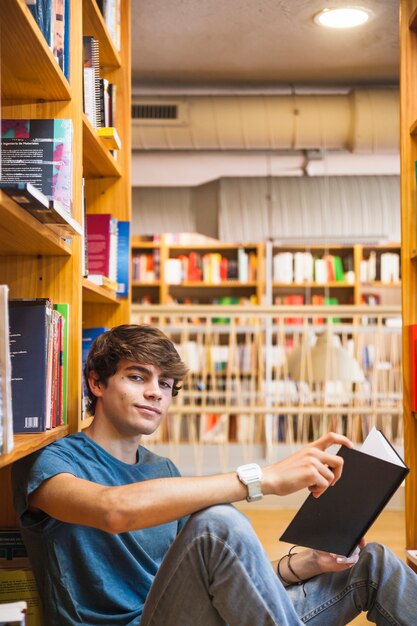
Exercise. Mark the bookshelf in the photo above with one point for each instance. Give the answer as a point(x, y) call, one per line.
point(408, 98)
point(312, 275)
point(204, 273)
point(34, 260)
point(358, 285)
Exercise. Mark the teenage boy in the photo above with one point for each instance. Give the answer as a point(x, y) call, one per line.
point(116, 536)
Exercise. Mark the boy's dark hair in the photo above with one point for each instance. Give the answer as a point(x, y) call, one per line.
point(140, 343)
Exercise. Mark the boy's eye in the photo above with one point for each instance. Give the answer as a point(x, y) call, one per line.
point(135, 377)
point(165, 384)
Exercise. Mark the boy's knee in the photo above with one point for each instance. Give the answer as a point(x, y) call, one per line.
point(378, 554)
point(223, 520)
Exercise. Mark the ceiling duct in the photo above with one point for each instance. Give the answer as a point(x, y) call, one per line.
point(361, 121)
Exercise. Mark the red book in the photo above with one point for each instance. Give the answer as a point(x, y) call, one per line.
point(413, 366)
point(102, 244)
point(224, 268)
point(193, 271)
point(294, 300)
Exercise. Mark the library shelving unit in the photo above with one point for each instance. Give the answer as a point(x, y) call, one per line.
point(362, 282)
point(408, 96)
point(34, 260)
point(327, 282)
point(201, 273)
point(379, 281)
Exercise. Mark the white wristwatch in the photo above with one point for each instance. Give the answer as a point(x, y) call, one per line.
point(251, 476)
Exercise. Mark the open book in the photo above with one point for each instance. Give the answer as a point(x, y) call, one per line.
point(339, 518)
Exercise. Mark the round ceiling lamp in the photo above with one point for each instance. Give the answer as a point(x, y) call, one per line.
point(342, 17)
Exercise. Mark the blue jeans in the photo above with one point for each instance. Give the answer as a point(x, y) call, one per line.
point(217, 573)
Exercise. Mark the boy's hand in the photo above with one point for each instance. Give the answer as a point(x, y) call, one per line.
point(311, 467)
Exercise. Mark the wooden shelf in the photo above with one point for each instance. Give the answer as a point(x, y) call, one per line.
point(22, 48)
point(98, 162)
point(86, 422)
point(155, 283)
point(330, 284)
point(211, 247)
point(223, 285)
point(136, 243)
point(26, 444)
point(93, 24)
point(18, 226)
point(378, 284)
point(96, 294)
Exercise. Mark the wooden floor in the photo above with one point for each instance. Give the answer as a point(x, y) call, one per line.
point(269, 523)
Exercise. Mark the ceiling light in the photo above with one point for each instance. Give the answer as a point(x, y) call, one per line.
point(342, 17)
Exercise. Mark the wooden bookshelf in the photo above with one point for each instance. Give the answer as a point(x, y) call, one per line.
point(265, 287)
point(35, 261)
point(408, 97)
point(160, 290)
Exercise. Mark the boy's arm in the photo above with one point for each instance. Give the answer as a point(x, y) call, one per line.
point(153, 502)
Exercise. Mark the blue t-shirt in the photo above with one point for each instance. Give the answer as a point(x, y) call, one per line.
point(85, 575)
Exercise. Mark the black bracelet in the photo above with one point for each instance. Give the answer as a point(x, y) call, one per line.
point(286, 582)
point(299, 580)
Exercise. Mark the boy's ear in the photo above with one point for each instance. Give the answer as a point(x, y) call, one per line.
point(94, 384)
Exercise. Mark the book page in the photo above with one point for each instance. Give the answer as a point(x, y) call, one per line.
point(377, 445)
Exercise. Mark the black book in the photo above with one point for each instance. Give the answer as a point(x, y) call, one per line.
point(29, 334)
point(340, 517)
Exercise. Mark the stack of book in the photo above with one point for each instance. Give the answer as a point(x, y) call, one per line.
point(39, 358)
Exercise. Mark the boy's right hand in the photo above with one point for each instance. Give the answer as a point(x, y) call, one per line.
point(311, 467)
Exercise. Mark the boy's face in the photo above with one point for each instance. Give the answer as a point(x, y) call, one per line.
point(135, 399)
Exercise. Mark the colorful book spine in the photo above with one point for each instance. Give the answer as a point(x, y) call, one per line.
point(63, 309)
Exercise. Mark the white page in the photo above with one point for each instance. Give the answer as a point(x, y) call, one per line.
point(376, 445)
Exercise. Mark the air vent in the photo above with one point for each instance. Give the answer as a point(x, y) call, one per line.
point(154, 111)
point(147, 112)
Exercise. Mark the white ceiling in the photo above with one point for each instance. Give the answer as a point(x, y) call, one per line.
point(229, 44)
point(253, 46)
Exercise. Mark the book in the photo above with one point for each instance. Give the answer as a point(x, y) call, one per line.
point(19, 585)
point(102, 244)
point(123, 258)
point(42, 12)
point(337, 520)
point(6, 413)
point(29, 341)
point(110, 137)
point(413, 366)
point(50, 212)
point(13, 613)
point(13, 553)
point(91, 80)
point(88, 336)
point(58, 31)
point(39, 151)
point(63, 309)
